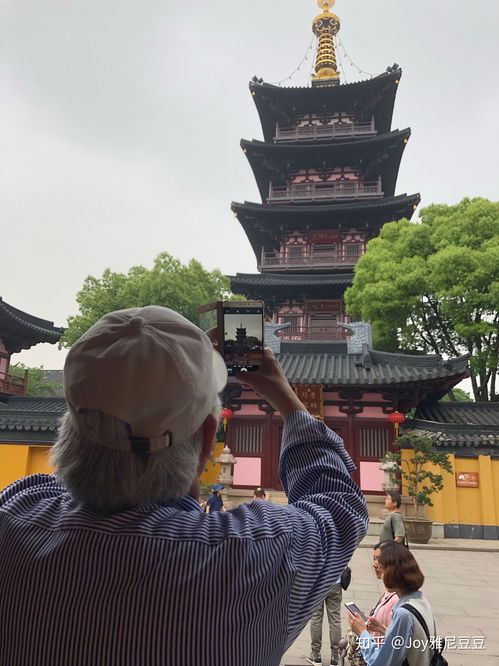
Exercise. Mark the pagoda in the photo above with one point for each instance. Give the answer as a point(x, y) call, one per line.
point(326, 171)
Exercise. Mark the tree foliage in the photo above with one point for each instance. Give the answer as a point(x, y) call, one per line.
point(38, 385)
point(169, 283)
point(422, 481)
point(457, 395)
point(433, 286)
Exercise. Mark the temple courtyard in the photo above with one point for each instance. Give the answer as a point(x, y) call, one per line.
point(462, 584)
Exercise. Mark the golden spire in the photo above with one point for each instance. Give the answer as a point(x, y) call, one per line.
point(325, 26)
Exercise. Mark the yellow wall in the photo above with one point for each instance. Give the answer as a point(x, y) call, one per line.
point(466, 506)
point(18, 460)
point(21, 460)
point(212, 469)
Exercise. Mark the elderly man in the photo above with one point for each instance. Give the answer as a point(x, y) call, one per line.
point(112, 561)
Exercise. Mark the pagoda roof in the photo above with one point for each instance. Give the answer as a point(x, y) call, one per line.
point(265, 223)
point(378, 155)
point(262, 285)
point(20, 330)
point(371, 368)
point(369, 98)
point(465, 428)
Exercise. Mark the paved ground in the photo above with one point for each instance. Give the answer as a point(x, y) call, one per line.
point(462, 584)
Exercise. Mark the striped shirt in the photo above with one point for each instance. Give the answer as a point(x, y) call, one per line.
point(168, 585)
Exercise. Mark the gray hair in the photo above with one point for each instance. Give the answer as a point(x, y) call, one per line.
point(108, 480)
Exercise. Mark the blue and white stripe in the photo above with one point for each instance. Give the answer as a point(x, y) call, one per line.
point(170, 585)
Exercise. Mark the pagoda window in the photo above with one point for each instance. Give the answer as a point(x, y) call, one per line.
point(324, 250)
point(323, 320)
point(345, 174)
point(322, 327)
point(294, 320)
point(305, 176)
point(296, 251)
point(324, 119)
point(353, 249)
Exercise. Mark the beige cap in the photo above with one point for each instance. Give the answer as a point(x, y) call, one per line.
point(149, 367)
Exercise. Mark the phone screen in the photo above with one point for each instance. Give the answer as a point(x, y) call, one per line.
point(355, 609)
point(242, 336)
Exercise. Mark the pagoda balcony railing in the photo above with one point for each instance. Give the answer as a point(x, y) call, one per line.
point(13, 385)
point(342, 189)
point(329, 333)
point(347, 130)
point(280, 260)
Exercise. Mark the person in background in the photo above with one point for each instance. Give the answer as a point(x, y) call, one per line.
point(332, 602)
point(259, 493)
point(402, 575)
point(215, 502)
point(393, 527)
point(379, 618)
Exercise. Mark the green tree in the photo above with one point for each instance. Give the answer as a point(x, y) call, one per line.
point(457, 395)
point(433, 286)
point(169, 283)
point(38, 385)
point(421, 480)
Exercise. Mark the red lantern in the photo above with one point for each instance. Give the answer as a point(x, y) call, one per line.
point(226, 415)
point(396, 418)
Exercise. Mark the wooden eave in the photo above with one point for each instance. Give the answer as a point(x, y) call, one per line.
point(20, 330)
point(264, 224)
point(369, 98)
point(268, 286)
point(379, 155)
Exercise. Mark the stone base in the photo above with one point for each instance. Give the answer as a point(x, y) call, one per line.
point(453, 531)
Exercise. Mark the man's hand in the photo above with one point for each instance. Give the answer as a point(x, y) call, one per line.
point(270, 382)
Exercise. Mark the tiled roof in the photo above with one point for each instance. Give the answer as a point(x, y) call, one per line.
point(290, 91)
point(373, 368)
point(264, 223)
point(278, 279)
point(462, 413)
point(304, 209)
point(278, 103)
point(383, 152)
point(20, 330)
point(30, 414)
point(347, 147)
point(456, 439)
point(462, 427)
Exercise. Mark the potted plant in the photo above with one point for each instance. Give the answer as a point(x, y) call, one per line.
point(419, 479)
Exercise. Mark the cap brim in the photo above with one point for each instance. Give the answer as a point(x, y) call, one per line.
point(219, 371)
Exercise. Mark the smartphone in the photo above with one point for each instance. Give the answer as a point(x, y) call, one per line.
point(355, 609)
point(240, 332)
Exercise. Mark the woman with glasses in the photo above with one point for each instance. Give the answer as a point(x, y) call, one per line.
point(405, 637)
point(379, 619)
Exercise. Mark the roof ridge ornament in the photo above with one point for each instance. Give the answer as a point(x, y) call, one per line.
point(325, 26)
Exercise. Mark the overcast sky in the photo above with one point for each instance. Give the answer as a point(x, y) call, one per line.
point(121, 121)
